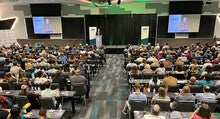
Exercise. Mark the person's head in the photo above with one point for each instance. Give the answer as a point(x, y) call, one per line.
point(208, 77)
point(47, 21)
point(47, 84)
point(24, 88)
point(208, 69)
point(207, 61)
point(147, 67)
point(137, 86)
point(155, 78)
point(192, 80)
point(42, 113)
point(184, 19)
point(58, 72)
point(134, 69)
point(77, 71)
point(194, 61)
point(39, 74)
point(194, 68)
point(155, 110)
point(132, 60)
point(206, 88)
point(161, 65)
point(15, 112)
point(186, 89)
point(162, 92)
point(179, 68)
point(204, 111)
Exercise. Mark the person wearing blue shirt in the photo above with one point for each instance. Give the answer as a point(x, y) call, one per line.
point(207, 81)
point(62, 58)
point(137, 95)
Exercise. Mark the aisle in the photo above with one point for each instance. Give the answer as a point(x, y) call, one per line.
point(108, 92)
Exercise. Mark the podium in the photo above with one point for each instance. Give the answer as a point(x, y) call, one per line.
point(98, 40)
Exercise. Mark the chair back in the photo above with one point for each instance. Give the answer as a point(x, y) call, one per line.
point(137, 105)
point(136, 76)
point(47, 102)
point(185, 106)
point(2, 74)
point(173, 88)
point(5, 86)
point(216, 67)
point(164, 104)
point(55, 86)
point(179, 76)
point(147, 76)
point(79, 88)
point(17, 86)
point(195, 88)
point(21, 100)
point(212, 104)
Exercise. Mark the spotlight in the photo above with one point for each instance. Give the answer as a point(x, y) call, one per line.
point(109, 2)
point(119, 2)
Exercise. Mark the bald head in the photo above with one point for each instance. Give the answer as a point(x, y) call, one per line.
point(77, 71)
point(193, 80)
point(206, 88)
point(155, 110)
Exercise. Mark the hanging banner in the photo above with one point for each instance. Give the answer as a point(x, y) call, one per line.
point(92, 35)
point(144, 35)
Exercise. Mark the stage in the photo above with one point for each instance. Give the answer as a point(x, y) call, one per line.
point(114, 49)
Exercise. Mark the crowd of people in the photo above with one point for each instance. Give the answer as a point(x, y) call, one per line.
point(45, 66)
point(166, 65)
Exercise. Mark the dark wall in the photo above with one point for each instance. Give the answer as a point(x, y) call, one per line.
point(73, 28)
point(122, 29)
point(206, 29)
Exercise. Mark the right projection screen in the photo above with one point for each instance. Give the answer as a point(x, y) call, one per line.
point(184, 23)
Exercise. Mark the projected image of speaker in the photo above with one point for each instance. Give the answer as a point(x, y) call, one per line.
point(47, 25)
point(182, 23)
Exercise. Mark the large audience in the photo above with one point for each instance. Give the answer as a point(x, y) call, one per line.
point(37, 67)
point(163, 66)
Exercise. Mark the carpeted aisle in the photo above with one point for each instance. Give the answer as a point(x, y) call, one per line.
point(107, 94)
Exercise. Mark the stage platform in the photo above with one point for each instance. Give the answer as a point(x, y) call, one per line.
point(114, 49)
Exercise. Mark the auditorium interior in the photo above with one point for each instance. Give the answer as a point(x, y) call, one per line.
point(110, 59)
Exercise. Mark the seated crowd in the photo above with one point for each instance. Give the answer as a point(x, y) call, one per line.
point(37, 68)
point(164, 67)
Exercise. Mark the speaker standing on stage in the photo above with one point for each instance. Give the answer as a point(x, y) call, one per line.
point(98, 38)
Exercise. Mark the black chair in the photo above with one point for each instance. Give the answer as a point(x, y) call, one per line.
point(136, 105)
point(164, 104)
point(28, 75)
point(197, 75)
point(2, 74)
point(136, 76)
point(5, 86)
point(180, 76)
point(185, 106)
point(153, 68)
point(17, 86)
point(168, 68)
point(55, 86)
point(216, 67)
point(80, 91)
point(21, 100)
point(156, 87)
point(173, 88)
point(141, 68)
point(147, 76)
point(47, 102)
point(195, 88)
point(212, 104)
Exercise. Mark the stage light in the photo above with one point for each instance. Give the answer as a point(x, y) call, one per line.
point(109, 2)
point(119, 2)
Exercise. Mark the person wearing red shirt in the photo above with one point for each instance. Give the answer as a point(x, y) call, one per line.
point(203, 112)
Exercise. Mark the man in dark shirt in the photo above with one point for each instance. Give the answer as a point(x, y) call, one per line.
point(60, 79)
